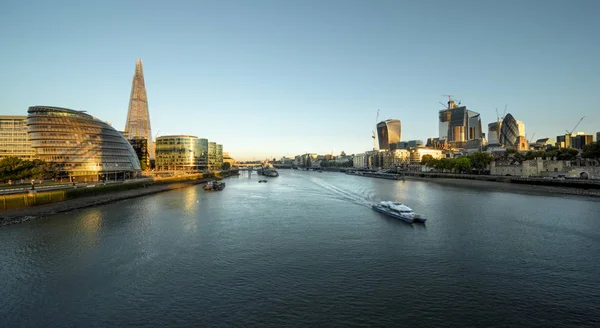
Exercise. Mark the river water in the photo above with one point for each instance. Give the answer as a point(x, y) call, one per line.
point(306, 250)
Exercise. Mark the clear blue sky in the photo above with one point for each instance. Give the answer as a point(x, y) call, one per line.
point(274, 78)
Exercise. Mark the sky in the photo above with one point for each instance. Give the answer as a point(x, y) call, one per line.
point(282, 78)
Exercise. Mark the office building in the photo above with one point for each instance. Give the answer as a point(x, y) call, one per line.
point(597, 136)
point(219, 157)
point(140, 146)
point(228, 159)
point(544, 143)
point(493, 136)
point(581, 139)
point(181, 153)
point(389, 134)
point(510, 131)
point(459, 125)
point(81, 146)
point(410, 144)
point(13, 138)
point(138, 117)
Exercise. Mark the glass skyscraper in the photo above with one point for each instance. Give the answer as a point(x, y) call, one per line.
point(13, 138)
point(458, 125)
point(510, 131)
point(138, 116)
point(83, 147)
point(389, 134)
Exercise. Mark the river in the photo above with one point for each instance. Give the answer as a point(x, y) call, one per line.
point(306, 250)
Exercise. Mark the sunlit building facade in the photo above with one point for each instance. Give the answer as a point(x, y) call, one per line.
point(212, 155)
point(138, 116)
point(13, 138)
point(581, 139)
point(458, 125)
point(219, 156)
point(493, 135)
point(228, 159)
point(521, 144)
point(181, 153)
point(389, 134)
point(83, 147)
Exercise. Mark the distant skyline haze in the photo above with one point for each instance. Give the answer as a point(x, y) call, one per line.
point(279, 78)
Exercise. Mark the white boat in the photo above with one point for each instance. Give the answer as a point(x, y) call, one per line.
point(398, 211)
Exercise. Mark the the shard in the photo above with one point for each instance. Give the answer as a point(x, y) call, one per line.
point(138, 117)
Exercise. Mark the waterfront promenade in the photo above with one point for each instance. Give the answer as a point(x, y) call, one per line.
point(143, 187)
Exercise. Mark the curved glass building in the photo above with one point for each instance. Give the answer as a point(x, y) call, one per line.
point(509, 131)
point(83, 147)
point(389, 133)
point(181, 153)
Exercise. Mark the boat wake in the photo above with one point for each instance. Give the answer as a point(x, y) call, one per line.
point(341, 194)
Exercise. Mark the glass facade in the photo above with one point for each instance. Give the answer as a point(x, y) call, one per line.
point(212, 155)
point(459, 125)
point(389, 133)
point(83, 147)
point(13, 138)
point(494, 133)
point(219, 156)
point(509, 132)
point(138, 117)
point(140, 146)
point(181, 153)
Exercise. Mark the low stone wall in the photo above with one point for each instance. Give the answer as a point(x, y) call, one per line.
point(29, 199)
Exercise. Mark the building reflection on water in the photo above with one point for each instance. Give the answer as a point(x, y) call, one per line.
point(89, 226)
point(191, 202)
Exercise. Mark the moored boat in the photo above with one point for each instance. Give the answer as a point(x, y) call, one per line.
point(214, 185)
point(398, 211)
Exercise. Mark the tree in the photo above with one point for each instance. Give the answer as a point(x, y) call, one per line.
point(592, 150)
point(427, 160)
point(480, 160)
point(462, 164)
point(225, 166)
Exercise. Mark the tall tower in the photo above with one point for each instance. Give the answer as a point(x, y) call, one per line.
point(389, 133)
point(138, 117)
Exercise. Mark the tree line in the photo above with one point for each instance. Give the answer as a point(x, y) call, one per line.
point(14, 168)
point(476, 162)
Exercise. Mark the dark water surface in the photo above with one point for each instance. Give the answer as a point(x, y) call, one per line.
point(306, 250)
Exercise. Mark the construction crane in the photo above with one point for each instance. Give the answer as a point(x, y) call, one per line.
point(374, 136)
point(449, 97)
point(576, 125)
point(530, 140)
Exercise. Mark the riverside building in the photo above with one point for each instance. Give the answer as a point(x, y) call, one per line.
point(13, 138)
point(181, 153)
point(81, 146)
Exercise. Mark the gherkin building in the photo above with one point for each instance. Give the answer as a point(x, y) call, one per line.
point(509, 132)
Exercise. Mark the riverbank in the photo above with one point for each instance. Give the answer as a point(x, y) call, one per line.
point(21, 215)
point(509, 187)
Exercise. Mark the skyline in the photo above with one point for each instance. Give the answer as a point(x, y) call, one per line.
point(287, 79)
